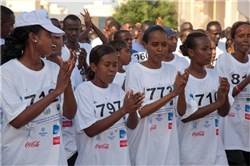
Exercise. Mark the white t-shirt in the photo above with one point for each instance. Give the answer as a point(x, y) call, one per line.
point(40, 141)
point(95, 42)
point(237, 122)
point(109, 147)
point(178, 62)
point(200, 140)
point(155, 139)
point(119, 78)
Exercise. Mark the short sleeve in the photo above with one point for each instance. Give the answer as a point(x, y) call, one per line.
point(85, 115)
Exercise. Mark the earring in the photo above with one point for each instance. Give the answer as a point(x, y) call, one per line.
point(35, 41)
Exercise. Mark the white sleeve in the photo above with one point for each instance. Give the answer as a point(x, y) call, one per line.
point(12, 104)
point(132, 81)
point(85, 115)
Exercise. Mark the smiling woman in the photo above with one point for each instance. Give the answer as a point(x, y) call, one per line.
point(32, 88)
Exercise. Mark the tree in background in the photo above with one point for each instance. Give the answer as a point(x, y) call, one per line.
point(139, 11)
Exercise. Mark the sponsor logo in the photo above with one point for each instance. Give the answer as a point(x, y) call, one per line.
point(206, 125)
point(247, 116)
point(194, 124)
point(111, 136)
point(56, 140)
point(123, 143)
point(58, 107)
point(102, 146)
point(43, 132)
point(171, 102)
point(198, 134)
point(150, 119)
point(237, 107)
point(98, 137)
point(153, 127)
point(231, 114)
point(217, 131)
point(216, 121)
point(47, 111)
point(169, 125)
point(122, 133)
point(247, 108)
point(248, 99)
point(56, 129)
point(67, 123)
point(33, 144)
point(170, 116)
point(159, 118)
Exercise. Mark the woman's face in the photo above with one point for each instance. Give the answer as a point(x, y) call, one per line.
point(125, 55)
point(202, 54)
point(242, 38)
point(44, 42)
point(57, 41)
point(157, 46)
point(105, 70)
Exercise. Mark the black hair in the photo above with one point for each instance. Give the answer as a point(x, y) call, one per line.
point(118, 44)
point(146, 24)
point(71, 17)
point(5, 13)
point(186, 23)
point(117, 35)
point(150, 30)
point(212, 23)
point(95, 55)
point(16, 42)
point(190, 42)
point(235, 26)
point(115, 24)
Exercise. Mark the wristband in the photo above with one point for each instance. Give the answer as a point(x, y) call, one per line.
point(237, 89)
point(138, 114)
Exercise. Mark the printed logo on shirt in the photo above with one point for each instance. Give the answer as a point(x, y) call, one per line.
point(123, 143)
point(159, 117)
point(247, 99)
point(198, 134)
point(170, 116)
point(153, 127)
point(171, 103)
point(237, 107)
point(56, 140)
point(191, 96)
point(56, 129)
point(33, 144)
point(111, 135)
point(247, 108)
point(194, 124)
point(98, 137)
point(47, 111)
point(102, 146)
point(122, 133)
point(247, 112)
point(58, 106)
point(216, 121)
point(43, 133)
point(67, 123)
point(149, 119)
point(170, 125)
point(231, 114)
point(206, 125)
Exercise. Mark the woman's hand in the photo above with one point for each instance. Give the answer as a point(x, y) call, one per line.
point(180, 82)
point(132, 102)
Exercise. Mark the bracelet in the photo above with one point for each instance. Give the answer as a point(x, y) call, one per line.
point(237, 89)
point(138, 114)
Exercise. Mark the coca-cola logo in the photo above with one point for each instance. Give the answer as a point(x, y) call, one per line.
point(198, 134)
point(34, 144)
point(102, 146)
